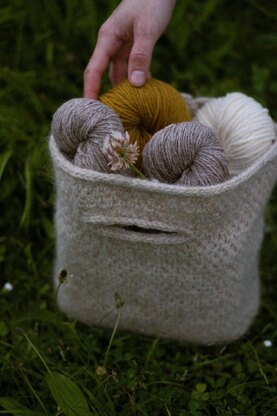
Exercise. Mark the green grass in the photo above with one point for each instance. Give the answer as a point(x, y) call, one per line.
point(210, 48)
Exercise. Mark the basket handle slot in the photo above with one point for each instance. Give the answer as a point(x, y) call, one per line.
point(144, 230)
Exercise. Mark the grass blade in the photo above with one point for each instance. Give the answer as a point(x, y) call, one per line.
point(4, 158)
point(67, 395)
point(13, 407)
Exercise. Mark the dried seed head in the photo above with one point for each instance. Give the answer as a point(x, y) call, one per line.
point(118, 301)
point(62, 276)
point(101, 371)
point(21, 332)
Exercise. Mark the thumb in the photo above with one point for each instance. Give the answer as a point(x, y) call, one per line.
point(139, 60)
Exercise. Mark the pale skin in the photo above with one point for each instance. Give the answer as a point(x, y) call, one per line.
point(125, 43)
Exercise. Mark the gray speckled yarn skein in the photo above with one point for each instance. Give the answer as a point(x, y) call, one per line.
point(80, 126)
point(185, 154)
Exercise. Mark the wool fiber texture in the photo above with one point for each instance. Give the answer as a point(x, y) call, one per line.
point(80, 126)
point(244, 127)
point(183, 259)
point(145, 110)
point(185, 154)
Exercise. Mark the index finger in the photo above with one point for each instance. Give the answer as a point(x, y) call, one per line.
point(94, 71)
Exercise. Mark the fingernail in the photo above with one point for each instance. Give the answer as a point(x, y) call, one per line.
point(137, 78)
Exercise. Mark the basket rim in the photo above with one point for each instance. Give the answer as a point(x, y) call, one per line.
point(116, 180)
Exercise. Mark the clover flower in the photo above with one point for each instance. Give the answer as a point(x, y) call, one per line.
point(121, 153)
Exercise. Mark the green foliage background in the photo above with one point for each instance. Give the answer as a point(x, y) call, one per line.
point(210, 48)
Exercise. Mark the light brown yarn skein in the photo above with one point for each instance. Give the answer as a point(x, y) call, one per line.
point(80, 126)
point(185, 154)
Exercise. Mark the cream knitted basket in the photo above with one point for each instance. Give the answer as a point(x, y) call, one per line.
point(183, 259)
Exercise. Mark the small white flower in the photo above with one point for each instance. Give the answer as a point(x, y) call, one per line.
point(120, 152)
point(8, 286)
point(267, 343)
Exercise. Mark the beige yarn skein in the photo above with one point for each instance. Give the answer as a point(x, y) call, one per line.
point(244, 127)
point(185, 154)
point(80, 126)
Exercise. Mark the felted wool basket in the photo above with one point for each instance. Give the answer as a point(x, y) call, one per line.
point(184, 260)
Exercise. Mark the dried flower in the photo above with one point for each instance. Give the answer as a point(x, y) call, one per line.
point(114, 376)
point(21, 332)
point(101, 371)
point(118, 301)
point(62, 276)
point(121, 153)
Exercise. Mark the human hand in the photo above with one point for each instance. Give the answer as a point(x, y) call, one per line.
point(126, 41)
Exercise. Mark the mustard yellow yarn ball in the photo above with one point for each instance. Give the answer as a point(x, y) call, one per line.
point(145, 110)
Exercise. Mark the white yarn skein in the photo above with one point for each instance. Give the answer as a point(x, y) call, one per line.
point(244, 127)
